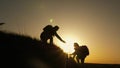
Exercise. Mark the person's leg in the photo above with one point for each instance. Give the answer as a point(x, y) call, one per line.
point(44, 41)
point(77, 59)
point(51, 40)
point(43, 37)
point(82, 60)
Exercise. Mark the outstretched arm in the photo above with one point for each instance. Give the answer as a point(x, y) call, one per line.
point(74, 54)
point(59, 37)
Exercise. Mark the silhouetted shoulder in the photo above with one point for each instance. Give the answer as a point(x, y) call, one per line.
point(47, 28)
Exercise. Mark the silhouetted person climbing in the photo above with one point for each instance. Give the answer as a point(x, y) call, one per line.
point(80, 52)
point(48, 33)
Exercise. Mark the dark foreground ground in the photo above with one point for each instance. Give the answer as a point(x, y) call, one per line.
point(102, 66)
point(19, 51)
point(71, 64)
point(89, 65)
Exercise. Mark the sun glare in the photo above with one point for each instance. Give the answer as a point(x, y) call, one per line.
point(68, 47)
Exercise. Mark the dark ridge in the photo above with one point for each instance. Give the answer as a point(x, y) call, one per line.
point(20, 51)
point(17, 50)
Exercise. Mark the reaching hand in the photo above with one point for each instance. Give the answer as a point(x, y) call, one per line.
point(64, 42)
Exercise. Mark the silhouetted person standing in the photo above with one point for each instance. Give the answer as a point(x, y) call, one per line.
point(48, 33)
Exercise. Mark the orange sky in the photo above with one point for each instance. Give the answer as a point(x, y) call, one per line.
point(88, 22)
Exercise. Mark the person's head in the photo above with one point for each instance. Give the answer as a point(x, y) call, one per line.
point(76, 45)
point(56, 28)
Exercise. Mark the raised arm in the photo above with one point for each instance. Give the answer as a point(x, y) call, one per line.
point(59, 37)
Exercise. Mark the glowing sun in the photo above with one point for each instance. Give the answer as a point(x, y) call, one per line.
point(68, 46)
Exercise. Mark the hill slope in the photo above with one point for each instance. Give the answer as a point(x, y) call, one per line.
point(23, 51)
point(19, 51)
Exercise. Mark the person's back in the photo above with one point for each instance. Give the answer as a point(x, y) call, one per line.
point(46, 34)
point(85, 50)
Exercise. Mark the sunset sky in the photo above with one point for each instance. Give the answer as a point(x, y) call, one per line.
point(95, 23)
